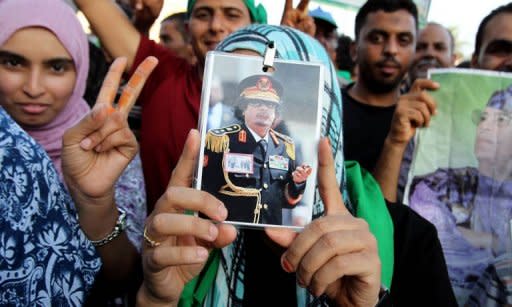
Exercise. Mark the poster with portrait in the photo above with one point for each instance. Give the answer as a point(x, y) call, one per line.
point(259, 137)
point(461, 175)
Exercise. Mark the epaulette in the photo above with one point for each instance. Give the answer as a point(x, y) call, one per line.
point(217, 140)
point(288, 143)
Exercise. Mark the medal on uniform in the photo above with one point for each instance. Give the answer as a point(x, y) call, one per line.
point(238, 163)
point(205, 161)
point(278, 162)
point(242, 136)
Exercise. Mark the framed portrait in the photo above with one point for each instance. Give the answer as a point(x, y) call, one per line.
point(461, 173)
point(259, 138)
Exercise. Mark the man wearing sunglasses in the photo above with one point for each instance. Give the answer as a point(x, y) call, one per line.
point(249, 166)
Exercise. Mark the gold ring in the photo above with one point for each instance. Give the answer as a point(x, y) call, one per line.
point(148, 240)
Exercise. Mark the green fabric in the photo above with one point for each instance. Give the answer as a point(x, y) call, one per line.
point(258, 12)
point(195, 291)
point(366, 196)
point(344, 74)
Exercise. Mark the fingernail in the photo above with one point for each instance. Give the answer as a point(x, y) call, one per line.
point(201, 253)
point(213, 232)
point(287, 267)
point(223, 212)
point(85, 143)
point(98, 148)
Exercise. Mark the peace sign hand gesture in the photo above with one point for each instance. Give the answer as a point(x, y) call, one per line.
point(97, 150)
point(298, 18)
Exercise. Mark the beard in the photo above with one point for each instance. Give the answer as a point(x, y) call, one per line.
point(380, 85)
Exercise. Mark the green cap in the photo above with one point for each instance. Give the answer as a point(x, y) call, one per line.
point(258, 13)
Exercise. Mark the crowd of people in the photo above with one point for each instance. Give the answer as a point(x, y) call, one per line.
point(86, 220)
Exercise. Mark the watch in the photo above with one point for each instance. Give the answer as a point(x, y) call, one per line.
point(118, 229)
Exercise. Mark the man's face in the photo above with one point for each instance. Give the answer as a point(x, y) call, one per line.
point(171, 37)
point(326, 35)
point(212, 20)
point(494, 141)
point(385, 48)
point(433, 50)
point(259, 115)
point(496, 49)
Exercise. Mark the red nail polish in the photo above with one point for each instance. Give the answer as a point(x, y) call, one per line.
point(286, 265)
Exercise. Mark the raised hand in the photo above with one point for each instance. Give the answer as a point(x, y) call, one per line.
point(97, 150)
point(336, 254)
point(177, 244)
point(301, 173)
point(414, 110)
point(298, 18)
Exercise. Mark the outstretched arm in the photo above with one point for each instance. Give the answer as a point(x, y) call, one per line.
point(114, 29)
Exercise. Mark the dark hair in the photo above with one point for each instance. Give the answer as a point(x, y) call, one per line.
point(388, 6)
point(507, 8)
point(343, 59)
point(180, 19)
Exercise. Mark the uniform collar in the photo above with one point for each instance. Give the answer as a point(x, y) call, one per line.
point(256, 137)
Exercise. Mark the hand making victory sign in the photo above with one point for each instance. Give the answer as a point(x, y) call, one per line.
point(298, 18)
point(97, 150)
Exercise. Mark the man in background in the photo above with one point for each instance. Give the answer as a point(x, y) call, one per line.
point(175, 37)
point(326, 31)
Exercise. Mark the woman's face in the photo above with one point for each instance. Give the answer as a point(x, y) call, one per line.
point(37, 76)
point(494, 139)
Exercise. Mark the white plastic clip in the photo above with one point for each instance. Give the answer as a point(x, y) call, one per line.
point(270, 53)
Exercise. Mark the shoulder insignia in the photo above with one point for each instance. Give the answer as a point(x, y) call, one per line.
point(217, 140)
point(288, 143)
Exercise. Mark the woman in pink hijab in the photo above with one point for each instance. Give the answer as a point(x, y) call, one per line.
point(44, 61)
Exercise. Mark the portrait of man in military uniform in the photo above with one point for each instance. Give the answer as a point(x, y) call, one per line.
point(252, 168)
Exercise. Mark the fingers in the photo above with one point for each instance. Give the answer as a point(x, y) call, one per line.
point(113, 123)
point(283, 237)
point(91, 122)
point(111, 83)
point(330, 245)
point(303, 6)
point(424, 84)
point(134, 86)
point(164, 225)
point(182, 174)
point(165, 256)
point(327, 184)
point(288, 5)
point(365, 266)
point(179, 199)
point(314, 232)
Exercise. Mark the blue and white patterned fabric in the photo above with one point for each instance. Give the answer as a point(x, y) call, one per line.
point(45, 258)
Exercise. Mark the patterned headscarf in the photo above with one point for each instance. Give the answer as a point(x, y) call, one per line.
point(59, 18)
point(258, 12)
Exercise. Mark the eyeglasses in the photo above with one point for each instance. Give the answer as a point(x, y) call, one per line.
point(500, 117)
point(259, 103)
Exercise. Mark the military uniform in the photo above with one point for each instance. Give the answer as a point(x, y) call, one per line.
point(252, 193)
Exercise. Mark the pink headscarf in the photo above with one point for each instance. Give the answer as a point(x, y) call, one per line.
point(59, 18)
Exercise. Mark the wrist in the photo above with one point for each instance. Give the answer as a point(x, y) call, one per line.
point(97, 221)
point(394, 146)
point(145, 298)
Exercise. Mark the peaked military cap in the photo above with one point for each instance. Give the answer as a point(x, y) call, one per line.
point(260, 87)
